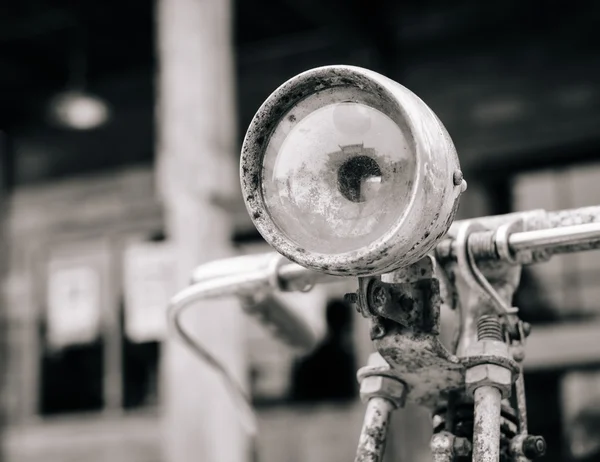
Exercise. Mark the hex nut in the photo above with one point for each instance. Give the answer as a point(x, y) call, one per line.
point(382, 387)
point(488, 348)
point(489, 375)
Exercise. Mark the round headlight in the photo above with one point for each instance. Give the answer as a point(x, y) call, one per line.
point(349, 173)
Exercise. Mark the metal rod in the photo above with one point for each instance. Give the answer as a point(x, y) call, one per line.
point(486, 431)
point(567, 238)
point(564, 239)
point(536, 218)
point(371, 445)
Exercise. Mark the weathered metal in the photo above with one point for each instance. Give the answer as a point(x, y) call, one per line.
point(434, 193)
point(488, 374)
point(524, 447)
point(489, 362)
point(442, 447)
point(482, 288)
point(376, 385)
point(486, 431)
point(371, 443)
point(445, 447)
point(411, 304)
point(484, 292)
point(407, 326)
point(405, 267)
point(403, 307)
point(542, 234)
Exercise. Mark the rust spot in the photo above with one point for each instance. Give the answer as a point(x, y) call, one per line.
point(292, 118)
point(256, 215)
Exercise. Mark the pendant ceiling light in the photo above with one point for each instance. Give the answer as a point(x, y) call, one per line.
point(75, 108)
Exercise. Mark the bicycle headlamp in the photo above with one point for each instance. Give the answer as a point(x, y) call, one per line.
point(347, 172)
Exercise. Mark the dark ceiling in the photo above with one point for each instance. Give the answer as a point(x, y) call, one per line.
point(527, 50)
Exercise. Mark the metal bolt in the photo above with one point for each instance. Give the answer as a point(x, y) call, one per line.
point(534, 446)
point(489, 328)
point(457, 178)
point(352, 299)
point(378, 296)
point(518, 353)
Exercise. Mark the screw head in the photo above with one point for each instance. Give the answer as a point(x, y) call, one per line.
point(534, 446)
point(457, 178)
point(378, 296)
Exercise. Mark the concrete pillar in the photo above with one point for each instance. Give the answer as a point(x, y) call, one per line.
point(197, 164)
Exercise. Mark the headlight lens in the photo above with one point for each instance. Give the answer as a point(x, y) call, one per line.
point(336, 175)
point(347, 172)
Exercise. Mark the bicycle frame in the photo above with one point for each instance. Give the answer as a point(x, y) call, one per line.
point(474, 270)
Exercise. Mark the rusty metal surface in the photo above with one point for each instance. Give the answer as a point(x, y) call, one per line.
point(419, 360)
point(371, 444)
point(445, 447)
point(486, 432)
point(472, 299)
point(489, 375)
point(374, 385)
point(434, 194)
point(407, 339)
point(409, 304)
point(485, 290)
point(489, 364)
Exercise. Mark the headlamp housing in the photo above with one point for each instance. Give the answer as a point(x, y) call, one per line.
point(347, 172)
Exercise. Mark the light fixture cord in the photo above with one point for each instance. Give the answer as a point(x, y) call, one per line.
point(78, 60)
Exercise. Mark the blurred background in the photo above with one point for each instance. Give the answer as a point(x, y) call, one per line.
point(120, 128)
